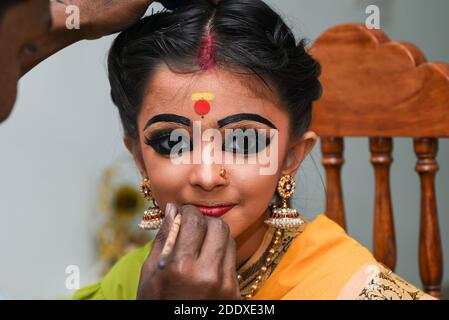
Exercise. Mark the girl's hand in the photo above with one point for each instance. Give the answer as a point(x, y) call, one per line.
point(202, 264)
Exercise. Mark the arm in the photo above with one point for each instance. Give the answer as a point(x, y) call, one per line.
point(98, 18)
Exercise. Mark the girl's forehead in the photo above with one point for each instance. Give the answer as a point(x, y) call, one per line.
point(222, 85)
point(209, 97)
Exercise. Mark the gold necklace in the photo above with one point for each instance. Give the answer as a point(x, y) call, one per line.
point(252, 282)
point(253, 277)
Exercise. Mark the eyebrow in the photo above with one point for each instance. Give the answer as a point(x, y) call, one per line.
point(244, 116)
point(168, 117)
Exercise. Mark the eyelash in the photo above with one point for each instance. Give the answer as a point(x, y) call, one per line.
point(246, 141)
point(159, 137)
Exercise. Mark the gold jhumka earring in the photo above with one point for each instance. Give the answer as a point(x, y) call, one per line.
point(153, 216)
point(284, 217)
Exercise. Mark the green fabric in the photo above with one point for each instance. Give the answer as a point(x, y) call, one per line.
point(121, 282)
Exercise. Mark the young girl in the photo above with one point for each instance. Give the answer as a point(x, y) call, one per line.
point(216, 101)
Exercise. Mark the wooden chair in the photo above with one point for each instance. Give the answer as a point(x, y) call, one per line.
point(378, 88)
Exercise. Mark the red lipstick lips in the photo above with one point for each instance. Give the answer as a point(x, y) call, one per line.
point(214, 211)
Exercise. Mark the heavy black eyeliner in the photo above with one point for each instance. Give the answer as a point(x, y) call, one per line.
point(159, 134)
point(158, 137)
point(268, 140)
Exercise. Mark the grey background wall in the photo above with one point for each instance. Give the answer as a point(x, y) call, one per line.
point(65, 131)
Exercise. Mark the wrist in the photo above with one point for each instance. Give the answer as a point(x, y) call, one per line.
point(62, 24)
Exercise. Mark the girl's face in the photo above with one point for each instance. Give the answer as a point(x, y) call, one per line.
point(228, 102)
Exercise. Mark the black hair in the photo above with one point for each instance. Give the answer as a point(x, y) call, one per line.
point(247, 35)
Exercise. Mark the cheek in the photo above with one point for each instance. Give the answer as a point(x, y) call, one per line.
point(165, 177)
point(255, 193)
point(256, 190)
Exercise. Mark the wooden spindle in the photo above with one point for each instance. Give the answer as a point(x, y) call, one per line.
point(430, 255)
point(383, 237)
point(332, 150)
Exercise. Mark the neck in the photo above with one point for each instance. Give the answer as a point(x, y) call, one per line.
point(250, 240)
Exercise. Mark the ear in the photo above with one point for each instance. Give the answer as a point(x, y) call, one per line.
point(297, 152)
point(134, 148)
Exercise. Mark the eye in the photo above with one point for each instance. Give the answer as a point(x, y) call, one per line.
point(164, 141)
point(247, 141)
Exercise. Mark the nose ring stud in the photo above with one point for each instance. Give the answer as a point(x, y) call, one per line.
point(223, 173)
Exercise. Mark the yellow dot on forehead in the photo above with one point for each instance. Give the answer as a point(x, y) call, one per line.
point(202, 96)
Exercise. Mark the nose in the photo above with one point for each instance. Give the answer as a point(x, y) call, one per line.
point(206, 174)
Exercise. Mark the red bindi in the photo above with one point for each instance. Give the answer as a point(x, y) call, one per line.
point(202, 107)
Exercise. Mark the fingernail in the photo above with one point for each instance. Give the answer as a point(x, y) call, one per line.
point(170, 211)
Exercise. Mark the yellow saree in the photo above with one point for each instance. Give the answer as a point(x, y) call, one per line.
point(322, 262)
